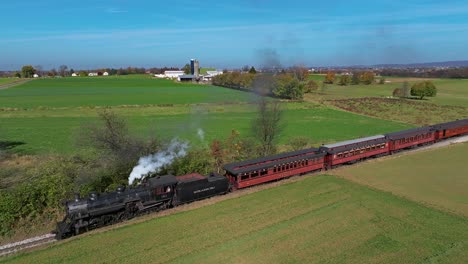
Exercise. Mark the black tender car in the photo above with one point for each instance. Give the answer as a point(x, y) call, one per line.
point(194, 187)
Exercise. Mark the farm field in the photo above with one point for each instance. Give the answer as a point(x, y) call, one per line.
point(44, 131)
point(435, 177)
point(317, 219)
point(7, 80)
point(450, 92)
point(111, 91)
point(402, 110)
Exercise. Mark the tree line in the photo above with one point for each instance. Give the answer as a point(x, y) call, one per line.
point(451, 73)
point(287, 84)
point(28, 71)
point(354, 78)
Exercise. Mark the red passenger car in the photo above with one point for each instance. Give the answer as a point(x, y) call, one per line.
point(354, 150)
point(252, 172)
point(410, 138)
point(451, 129)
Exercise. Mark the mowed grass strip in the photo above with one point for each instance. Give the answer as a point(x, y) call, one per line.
point(437, 177)
point(57, 132)
point(110, 91)
point(317, 219)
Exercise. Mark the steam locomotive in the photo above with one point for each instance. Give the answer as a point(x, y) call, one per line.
point(161, 192)
point(158, 193)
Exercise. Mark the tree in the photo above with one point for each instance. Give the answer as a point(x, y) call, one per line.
point(330, 77)
point(289, 87)
point(382, 80)
point(72, 71)
point(39, 70)
point(264, 84)
point(298, 143)
point(28, 71)
point(266, 126)
point(398, 92)
point(63, 70)
point(252, 70)
point(425, 88)
point(310, 86)
point(367, 77)
point(300, 72)
point(406, 91)
point(187, 69)
point(217, 153)
point(344, 80)
point(52, 73)
point(83, 74)
point(355, 79)
point(17, 75)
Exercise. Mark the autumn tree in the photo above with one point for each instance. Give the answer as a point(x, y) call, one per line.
point(367, 77)
point(310, 86)
point(217, 153)
point(300, 72)
point(330, 77)
point(27, 71)
point(425, 88)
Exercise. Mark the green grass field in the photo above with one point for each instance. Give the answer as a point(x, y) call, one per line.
point(111, 91)
point(48, 130)
point(436, 177)
point(320, 219)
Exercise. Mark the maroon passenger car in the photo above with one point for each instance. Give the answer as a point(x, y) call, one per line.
point(256, 171)
point(410, 138)
point(354, 150)
point(451, 129)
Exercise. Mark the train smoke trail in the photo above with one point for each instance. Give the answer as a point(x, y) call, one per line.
point(201, 134)
point(155, 162)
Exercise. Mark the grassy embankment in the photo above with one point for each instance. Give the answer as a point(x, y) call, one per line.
point(47, 114)
point(318, 219)
point(436, 177)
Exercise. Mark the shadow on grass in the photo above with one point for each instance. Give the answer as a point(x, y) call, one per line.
point(9, 145)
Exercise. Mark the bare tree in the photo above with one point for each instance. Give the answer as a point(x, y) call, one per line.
point(266, 126)
point(63, 70)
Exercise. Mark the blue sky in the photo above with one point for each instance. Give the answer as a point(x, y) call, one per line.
point(92, 33)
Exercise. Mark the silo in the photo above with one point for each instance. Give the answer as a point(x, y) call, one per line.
point(192, 66)
point(196, 69)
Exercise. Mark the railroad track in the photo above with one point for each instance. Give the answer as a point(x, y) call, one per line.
point(25, 244)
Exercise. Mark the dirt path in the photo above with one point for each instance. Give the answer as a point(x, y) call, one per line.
point(8, 85)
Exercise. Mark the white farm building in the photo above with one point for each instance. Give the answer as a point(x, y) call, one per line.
point(170, 74)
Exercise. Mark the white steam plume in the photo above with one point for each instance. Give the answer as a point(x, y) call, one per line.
point(156, 161)
point(201, 134)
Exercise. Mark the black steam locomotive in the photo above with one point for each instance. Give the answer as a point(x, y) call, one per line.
point(83, 214)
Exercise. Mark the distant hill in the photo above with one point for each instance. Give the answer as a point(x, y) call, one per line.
point(463, 63)
point(450, 64)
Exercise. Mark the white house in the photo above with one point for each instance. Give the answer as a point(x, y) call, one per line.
point(105, 74)
point(74, 74)
point(160, 76)
point(36, 75)
point(173, 74)
point(92, 74)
